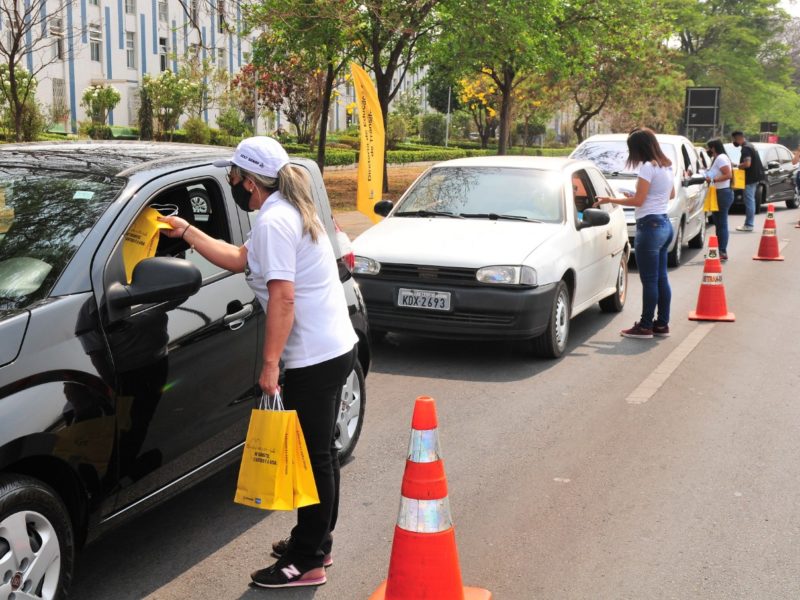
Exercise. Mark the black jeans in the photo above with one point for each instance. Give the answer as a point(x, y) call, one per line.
point(315, 392)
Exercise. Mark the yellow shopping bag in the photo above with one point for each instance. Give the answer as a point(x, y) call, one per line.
point(141, 240)
point(305, 488)
point(710, 203)
point(266, 474)
point(738, 179)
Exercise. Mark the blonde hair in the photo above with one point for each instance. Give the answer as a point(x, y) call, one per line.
point(294, 185)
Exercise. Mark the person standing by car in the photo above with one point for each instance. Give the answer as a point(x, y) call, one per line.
point(750, 163)
point(719, 175)
point(795, 160)
point(654, 189)
point(289, 262)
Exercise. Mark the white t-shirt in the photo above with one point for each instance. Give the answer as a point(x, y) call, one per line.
point(716, 170)
point(278, 249)
point(661, 184)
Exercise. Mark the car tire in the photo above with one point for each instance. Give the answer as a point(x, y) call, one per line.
point(40, 566)
point(616, 301)
point(761, 198)
point(553, 342)
point(699, 241)
point(350, 416)
point(676, 254)
point(793, 202)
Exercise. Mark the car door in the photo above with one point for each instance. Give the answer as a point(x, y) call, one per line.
point(695, 194)
point(772, 169)
point(592, 245)
point(615, 232)
point(785, 189)
point(185, 374)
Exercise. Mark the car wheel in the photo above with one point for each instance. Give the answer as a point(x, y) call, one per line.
point(351, 413)
point(793, 202)
point(616, 301)
point(699, 241)
point(37, 552)
point(761, 198)
point(675, 256)
point(553, 342)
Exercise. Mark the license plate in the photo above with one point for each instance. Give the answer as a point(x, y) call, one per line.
point(423, 299)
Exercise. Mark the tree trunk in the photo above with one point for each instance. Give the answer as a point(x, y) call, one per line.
point(506, 89)
point(323, 118)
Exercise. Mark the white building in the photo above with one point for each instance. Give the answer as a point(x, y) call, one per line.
point(118, 41)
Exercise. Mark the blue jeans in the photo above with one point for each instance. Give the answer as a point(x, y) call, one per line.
point(720, 217)
point(750, 204)
point(653, 236)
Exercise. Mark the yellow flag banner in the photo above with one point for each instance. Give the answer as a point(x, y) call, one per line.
point(373, 143)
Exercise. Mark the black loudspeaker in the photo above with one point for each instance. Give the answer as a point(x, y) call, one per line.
point(702, 106)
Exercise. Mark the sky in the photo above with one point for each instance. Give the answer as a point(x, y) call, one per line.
point(792, 7)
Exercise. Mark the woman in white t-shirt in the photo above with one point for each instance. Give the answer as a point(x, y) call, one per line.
point(654, 189)
point(290, 264)
point(719, 174)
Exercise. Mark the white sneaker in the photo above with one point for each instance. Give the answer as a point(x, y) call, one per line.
point(744, 228)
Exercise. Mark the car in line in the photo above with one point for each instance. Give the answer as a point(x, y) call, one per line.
point(505, 248)
point(117, 393)
point(779, 173)
point(610, 153)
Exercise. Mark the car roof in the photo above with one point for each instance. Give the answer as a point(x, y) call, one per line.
point(541, 163)
point(664, 138)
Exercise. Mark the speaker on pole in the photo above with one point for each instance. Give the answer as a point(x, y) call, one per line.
point(702, 107)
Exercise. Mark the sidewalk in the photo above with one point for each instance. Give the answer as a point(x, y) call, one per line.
point(352, 222)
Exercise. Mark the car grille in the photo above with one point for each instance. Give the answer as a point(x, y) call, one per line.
point(440, 317)
point(429, 274)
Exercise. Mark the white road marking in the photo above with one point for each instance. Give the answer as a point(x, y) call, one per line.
point(648, 388)
point(783, 243)
point(561, 480)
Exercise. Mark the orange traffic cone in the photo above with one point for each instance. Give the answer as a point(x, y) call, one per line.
point(768, 247)
point(424, 562)
point(711, 305)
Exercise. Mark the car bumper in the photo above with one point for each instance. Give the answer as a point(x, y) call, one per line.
point(476, 312)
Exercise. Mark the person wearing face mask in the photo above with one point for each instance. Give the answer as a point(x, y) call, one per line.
point(750, 163)
point(719, 175)
point(290, 264)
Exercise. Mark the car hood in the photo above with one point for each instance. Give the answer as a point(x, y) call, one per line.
point(446, 242)
point(13, 324)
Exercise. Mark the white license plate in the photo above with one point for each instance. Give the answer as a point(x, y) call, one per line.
point(423, 299)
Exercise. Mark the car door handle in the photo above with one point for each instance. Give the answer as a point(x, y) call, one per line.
point(235, 320)
point(609, 234)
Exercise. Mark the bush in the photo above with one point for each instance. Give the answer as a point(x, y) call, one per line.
point(145, 116)
point(197, 131)
point(433, 128)
point(231, 123)
point(396, 131)
point(220, 138)
point(405, 156)
point(333, 157)
point(99, 131)
point(353, 141)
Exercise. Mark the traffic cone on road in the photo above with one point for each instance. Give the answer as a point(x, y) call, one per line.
point(424, 561)
point(768, 247)
point(711, 304)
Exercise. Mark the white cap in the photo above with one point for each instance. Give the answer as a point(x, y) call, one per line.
point(261, 155)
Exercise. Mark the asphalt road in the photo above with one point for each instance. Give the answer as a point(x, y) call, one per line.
point(629, 469)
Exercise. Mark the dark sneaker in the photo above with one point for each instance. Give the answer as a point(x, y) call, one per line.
point(661, 330)
point(744, 228)
point(285, 574)
point(723, 256)
point(280, 547)
point(637, 331)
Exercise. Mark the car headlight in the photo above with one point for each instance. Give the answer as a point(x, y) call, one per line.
point(366, 266)
point(507, 275)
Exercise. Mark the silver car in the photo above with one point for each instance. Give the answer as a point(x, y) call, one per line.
point(610, 153)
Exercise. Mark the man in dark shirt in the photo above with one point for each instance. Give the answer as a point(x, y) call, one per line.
point(750, 162)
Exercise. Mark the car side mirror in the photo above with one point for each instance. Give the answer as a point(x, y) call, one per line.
point(773, 164)
point(383, 208)
point(594, 217)
point(158, 279)
point(696, 180)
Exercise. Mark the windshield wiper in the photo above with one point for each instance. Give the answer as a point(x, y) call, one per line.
point(619, 174)
point(427, 213)
point(496, 217)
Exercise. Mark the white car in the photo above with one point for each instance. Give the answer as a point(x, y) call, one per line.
point(610, 153)
point(495, 248)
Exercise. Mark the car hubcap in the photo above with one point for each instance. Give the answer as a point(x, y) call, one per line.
point(561, 320)
point(622, 280)
point(30, 557)
point(349, 412)
point(679, 244)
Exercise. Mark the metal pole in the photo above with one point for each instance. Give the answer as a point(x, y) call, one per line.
point(255, 106)
point(447, 128)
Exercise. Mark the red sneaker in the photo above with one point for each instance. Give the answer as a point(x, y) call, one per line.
point(638, 332)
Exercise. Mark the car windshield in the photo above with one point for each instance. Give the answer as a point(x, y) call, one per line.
point(735, 154)
point(485, 193)
point(611, 156)
point(44, 217)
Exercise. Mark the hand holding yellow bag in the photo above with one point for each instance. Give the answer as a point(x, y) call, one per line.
point(275, 473)
point(710, 203)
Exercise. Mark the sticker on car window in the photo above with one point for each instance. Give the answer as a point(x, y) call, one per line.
point(83, 195)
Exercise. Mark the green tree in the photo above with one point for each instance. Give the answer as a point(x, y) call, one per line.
point(170, 96)
point(98, 100)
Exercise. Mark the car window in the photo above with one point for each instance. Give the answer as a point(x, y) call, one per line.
point(44, 217)
point(201, 204)
point(611, 156)
point(688, 163)
point(525, 193)
point(583, 192)
point(702, 164)
point(770, 155)
point(783, 154)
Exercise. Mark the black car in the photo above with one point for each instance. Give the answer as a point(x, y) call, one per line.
point(778, 182)
point(114, 395)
